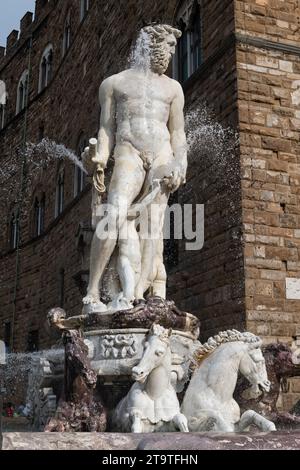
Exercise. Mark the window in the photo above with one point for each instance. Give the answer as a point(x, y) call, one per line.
point(196, 41)
point(41, 132)
point(33, 341)
point(2, 116)
point(22, 94)
point(188, 57)
point(61, 287)
point(79, 175)
point(46, 68)
point(67, 33)
point(39, 215)
point(84, 8)
point(59, 206)
point(7, 336)
point(14, 230)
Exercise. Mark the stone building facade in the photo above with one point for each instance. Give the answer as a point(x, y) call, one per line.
point(241, 57)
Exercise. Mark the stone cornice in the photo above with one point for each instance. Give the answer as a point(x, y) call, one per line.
point(262, 43)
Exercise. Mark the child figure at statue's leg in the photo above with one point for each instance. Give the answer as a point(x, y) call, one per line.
point(130, 256)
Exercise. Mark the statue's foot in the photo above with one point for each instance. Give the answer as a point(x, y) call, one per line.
point(91, 299)
point(120, 303)
point(93, 304)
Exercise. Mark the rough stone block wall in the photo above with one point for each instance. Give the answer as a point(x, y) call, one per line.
point(275, 20)
point(268, 99)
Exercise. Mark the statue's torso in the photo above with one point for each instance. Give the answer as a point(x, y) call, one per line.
point(143, 108)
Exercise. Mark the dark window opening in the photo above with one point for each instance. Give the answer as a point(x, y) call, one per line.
point(189, 49)
point(7, 336)
point(44, 73)
point(39, 216)
point(62, 288)
point(183, 57)
point(79, 175)
point(14, 231)
point(33, 341)
point(196, 41)
point(84, 8)
point(2, 116)
point(60, 193)
point(41, 132)
point(67, 34)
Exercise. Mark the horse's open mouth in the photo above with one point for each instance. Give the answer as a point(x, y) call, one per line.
point(139, 377)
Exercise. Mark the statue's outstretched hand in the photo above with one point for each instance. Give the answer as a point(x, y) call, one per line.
point(92, 159)
point(176, 179)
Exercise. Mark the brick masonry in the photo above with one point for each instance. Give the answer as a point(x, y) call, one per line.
point(268, 101)
point(251, 211)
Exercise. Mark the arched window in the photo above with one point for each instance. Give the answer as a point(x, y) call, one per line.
point(188, 57)
point(67, 33)
point(79, 175)
point(39, 215)
point(60, 190)
point(22, 94)
point(14, 230)
point(46, 67)
point(84, 8)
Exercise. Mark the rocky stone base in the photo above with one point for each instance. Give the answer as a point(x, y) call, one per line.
point(171, 441)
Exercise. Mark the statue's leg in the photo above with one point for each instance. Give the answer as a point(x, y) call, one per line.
point(209, 420)
point(251, 417)
point(160, 279)
point(136, 421)
point(126, 184)
point(127, 277)
point(153, 271)
point(181, 423)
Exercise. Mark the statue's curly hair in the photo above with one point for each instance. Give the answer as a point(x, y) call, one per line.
point(158, 32)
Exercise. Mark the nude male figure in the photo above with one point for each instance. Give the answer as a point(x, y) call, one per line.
point(142, 126)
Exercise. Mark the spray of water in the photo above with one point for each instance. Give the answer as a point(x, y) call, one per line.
point(140, 54)
point(19, 366)
point(47, 151)
point(38, 158)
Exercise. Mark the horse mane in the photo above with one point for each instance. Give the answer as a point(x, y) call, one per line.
point(162, 333)
point(228, 336)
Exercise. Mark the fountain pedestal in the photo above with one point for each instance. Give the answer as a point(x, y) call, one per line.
point(106, 347)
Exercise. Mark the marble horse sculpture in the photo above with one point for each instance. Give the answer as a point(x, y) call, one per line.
point(151, 404)
point(208, 403)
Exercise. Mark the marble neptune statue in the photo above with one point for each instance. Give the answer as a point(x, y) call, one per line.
point(142, 128)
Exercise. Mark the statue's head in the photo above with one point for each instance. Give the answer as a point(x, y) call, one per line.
point(162, 43)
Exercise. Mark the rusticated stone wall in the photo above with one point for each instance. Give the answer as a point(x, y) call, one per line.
point(269, 119)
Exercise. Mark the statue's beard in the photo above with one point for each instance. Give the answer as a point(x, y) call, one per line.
point(160, 60)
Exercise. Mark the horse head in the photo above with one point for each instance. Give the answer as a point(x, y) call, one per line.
point(253, 368)
point(156, 349)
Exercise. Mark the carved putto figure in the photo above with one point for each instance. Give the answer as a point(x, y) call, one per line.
point(151, 404)
point(142, 127)
point(208, 403)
